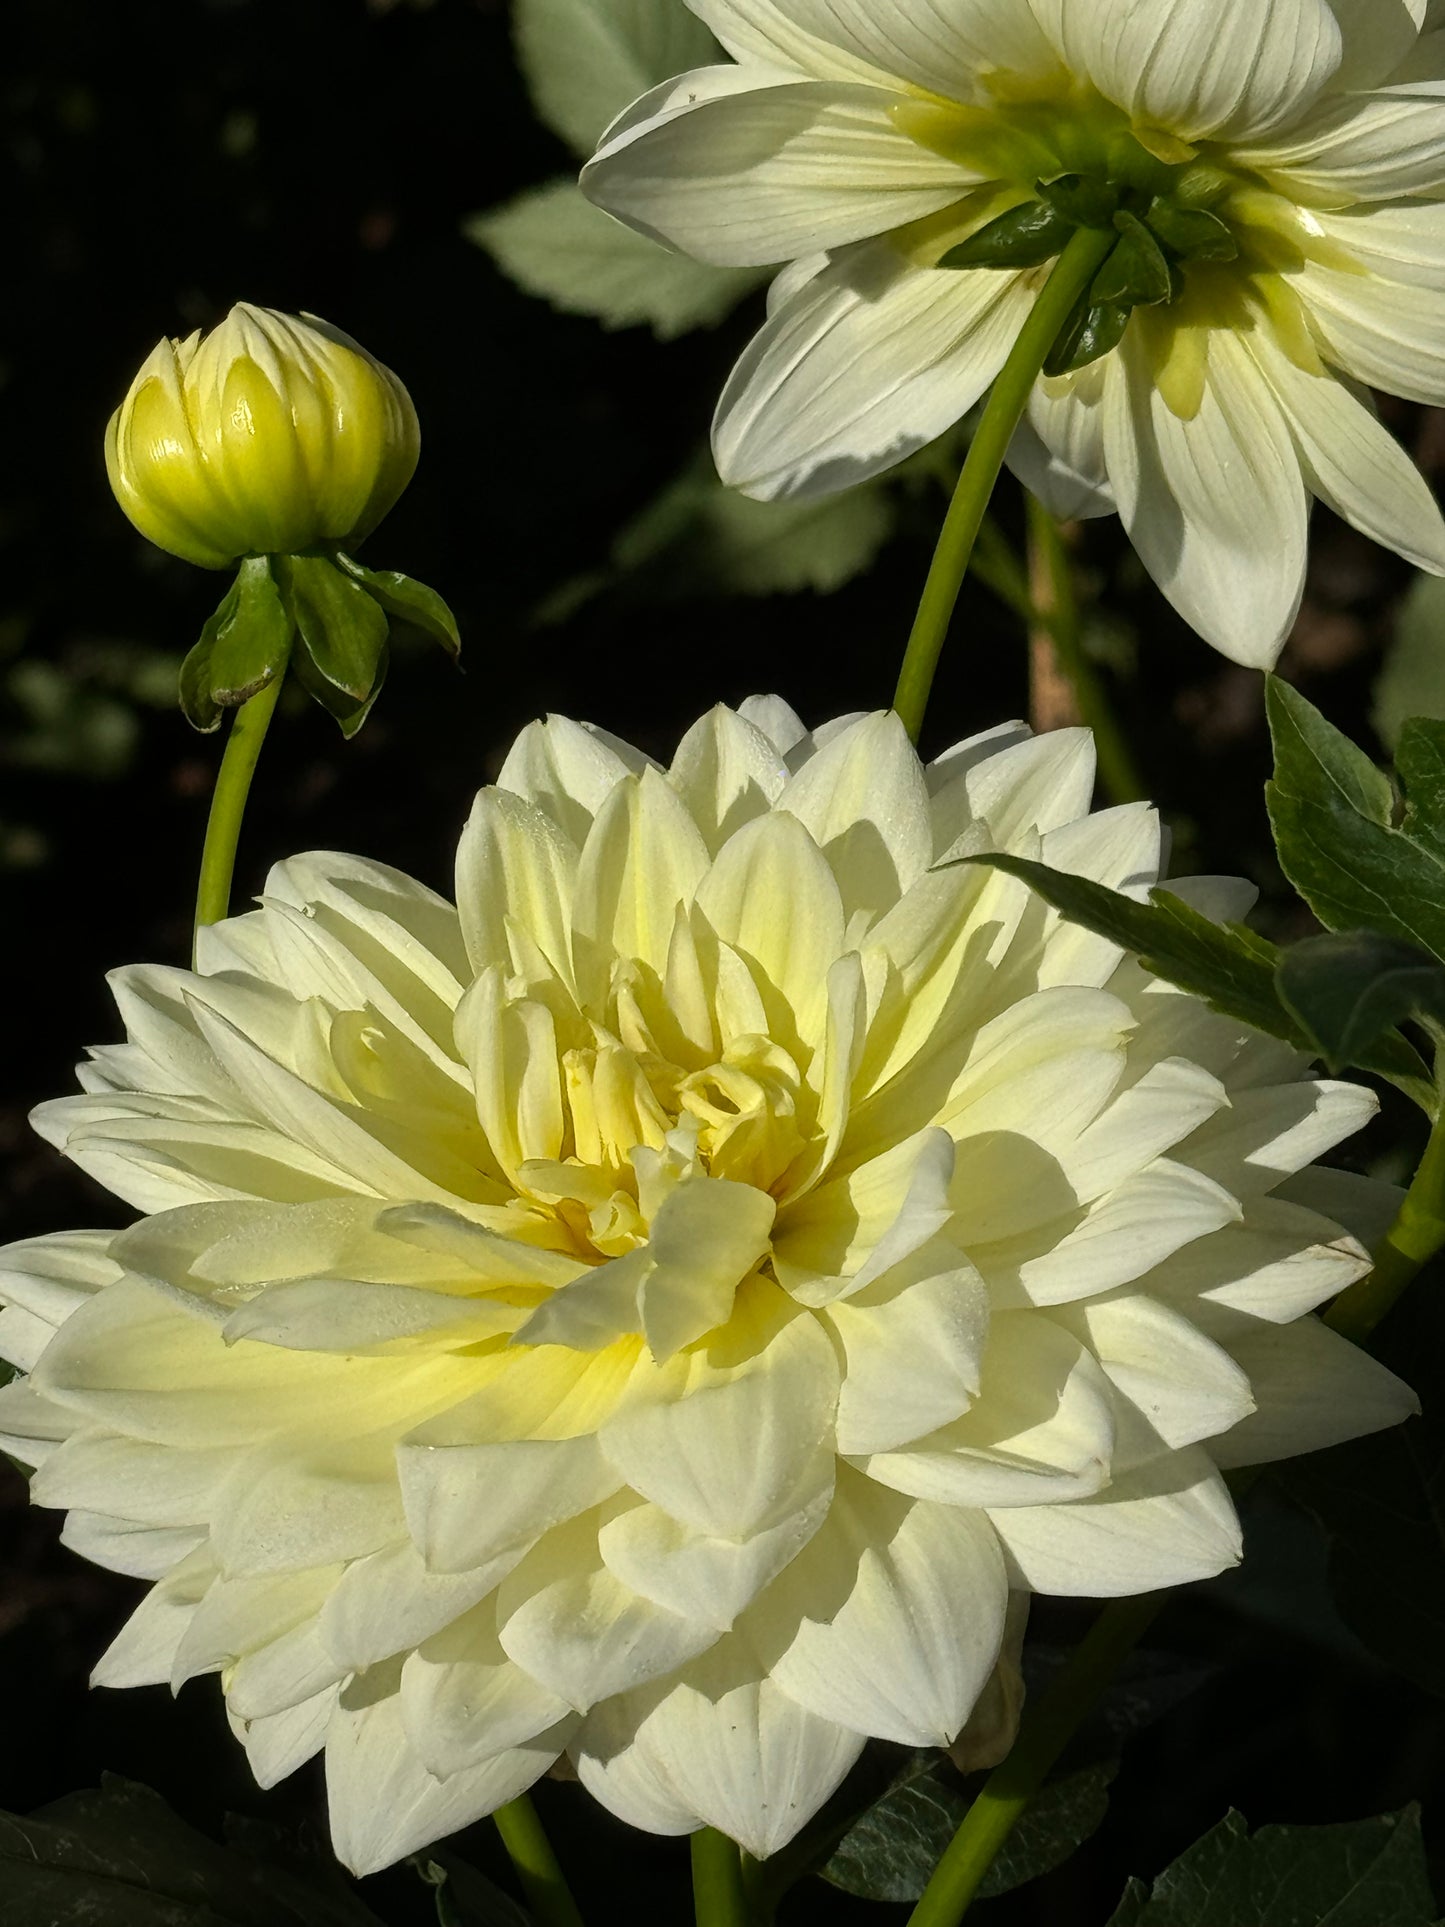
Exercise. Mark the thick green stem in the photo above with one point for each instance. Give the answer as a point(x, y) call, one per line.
point(719, 1894)
point(1045, 1733)
point(1118, 773)
point(1417, 1234)
point(228, 803)
point(1070, 279)
point(547, 1895)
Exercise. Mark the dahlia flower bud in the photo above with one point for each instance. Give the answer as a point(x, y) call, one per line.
point(272, 433)
point(277, 442)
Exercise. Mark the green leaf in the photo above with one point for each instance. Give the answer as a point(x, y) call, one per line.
point(891, 1852)
point(697, 537)
point(1192, 232)
point(1025, 237)
point(1348, 990)
point(200, 708)
point(1368, 1873)
point(1231, 968)
point(1330, 810)
point(121, 1857)
point(1420, 761)
point(555, 244)
point(1091, 331)
point(585, 60)
point(408, 601)
point(343, 630)
point(1136, 274)
point(1381, 1502)
point(1412, 681)
point(251, 640)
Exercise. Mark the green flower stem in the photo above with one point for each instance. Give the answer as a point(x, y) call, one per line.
point(719, 1895)
point(1417, 1234)
point(1045, 1732)
point(543, 1884)
point(1118, 773)
point(228, 803)
point(1069, 281)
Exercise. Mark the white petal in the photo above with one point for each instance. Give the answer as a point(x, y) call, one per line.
point(1215, 505)
point(1041, 1430)
point(700, 1575)
point(465, 1504)
point(620, 1776)
point(727, 771)
point(1383, 332)
point(771, 895)
point(731, 1747)
point(1187, 1387)
point(281, 1742)
point(143, 1652)
point(643, 856)
point(1313, 1388)
point(939, 48)
point(514, 861)
point(913, 1347)
point(565, 1620)
point(463, 1701)
point(744, 1451)
point(864, 801)
point(388, 1602)
point(568, 770)
point(846, 1233)
point(1267, 1134)
point(1200, 67)
point(383, 1802)
point(1058, 450)
point(1378, 35)
point(1279, 1263)
point(1354, 464)
point(1165, 1524)
point(866, 364)
point(890, 1621)
point(1371, 147)
point(770, 173)
point(1116, 1240)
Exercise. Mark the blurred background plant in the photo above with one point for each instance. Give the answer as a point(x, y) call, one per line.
point(405, 169)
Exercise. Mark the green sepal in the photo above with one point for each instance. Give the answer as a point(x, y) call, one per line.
point(244, 646)
point(408, 601)
point(348, 712)
point(1192, 233)
point(1091, 331)
point(343, 630)
point(1082, 201)
point(1137, 274)
point(199, 707)
point(1025, 237)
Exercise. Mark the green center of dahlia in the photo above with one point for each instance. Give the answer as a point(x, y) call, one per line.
point(1082, 166)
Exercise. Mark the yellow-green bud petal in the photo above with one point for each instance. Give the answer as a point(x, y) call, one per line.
point(270, 435)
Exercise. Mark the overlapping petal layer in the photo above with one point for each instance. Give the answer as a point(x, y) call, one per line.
point(659, 1309)
point(863, 143)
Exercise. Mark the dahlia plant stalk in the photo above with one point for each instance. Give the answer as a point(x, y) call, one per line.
point(1235, 209)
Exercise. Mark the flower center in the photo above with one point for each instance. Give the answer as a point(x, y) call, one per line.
point(1055, 166)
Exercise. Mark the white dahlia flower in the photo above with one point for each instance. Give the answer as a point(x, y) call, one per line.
point(656, 1311)
point(1274, 171)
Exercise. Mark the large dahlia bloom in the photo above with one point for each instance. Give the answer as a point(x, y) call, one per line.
point(657, 1310)
point(1274, 169)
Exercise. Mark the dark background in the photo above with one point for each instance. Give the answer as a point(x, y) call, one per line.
point(161, 159)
